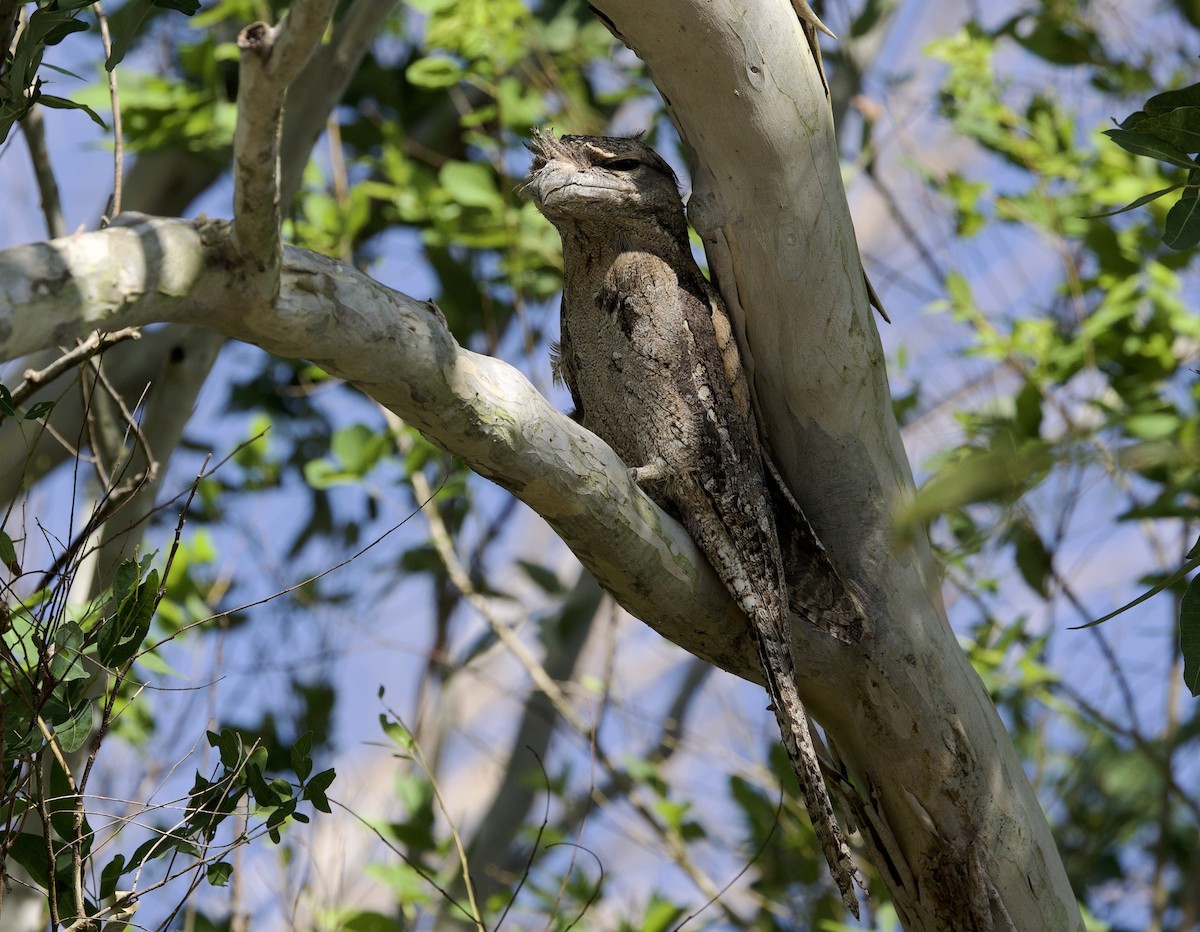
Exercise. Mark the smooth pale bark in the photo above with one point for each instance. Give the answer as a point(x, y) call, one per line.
point(956, 830)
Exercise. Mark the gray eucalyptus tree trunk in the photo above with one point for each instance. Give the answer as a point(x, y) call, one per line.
point(942, 801)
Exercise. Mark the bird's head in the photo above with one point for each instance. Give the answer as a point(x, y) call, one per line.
point(604, 181)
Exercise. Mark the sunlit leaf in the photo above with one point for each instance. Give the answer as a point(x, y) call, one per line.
point(436, 72)
point(470, 184)
point(1140, 202)
point(1144, 144)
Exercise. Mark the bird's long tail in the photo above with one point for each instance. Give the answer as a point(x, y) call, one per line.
point(779, 669)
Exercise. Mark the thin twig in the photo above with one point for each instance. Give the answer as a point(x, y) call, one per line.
point(595, 889)
point(183, 629)
point(745, 867)
point(419, 756)
point(415, 865)
point(97, 342)
point(442, 544)
point(118, 139)
point(119, 675)
point(131, 424)
point(44, 813)
point(33, 128)
point(537, 841)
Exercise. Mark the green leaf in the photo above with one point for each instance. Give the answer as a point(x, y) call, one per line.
point(415, 795)
point(218, 873)
point(434, 72)
point(73, 732)
point(158, 846)
point(417, 837)
point(1028, 405)
point(111, 875)
point(1179, 127)
point(1155, 426)
point(1032, 557)
point(279, 815)
point(546, 579)
point(1189, 636)
point(8, 554)
point(302, 756)
point(322, 474)
point(61, 103)
point(29, 851)
point(42, 408)
point(1182, 227)
point(999, 475)
point(69, 74)
point(397, 732)
point(70, 6)
point(186, 7)
point(1140, 202)
point(1144, 144)
point(367, 922)
point(671, 812)
point(314, 790)
point(358, 448)
point(263, 793)
point(68, 646)
point(6, 402)
point(660, 915)
point(125, 24)
point(1183, 97)
point(55, 26)
point(229, 744)
point(470, 184)
point(124, 580)
point(151, 662)
point(131, 623)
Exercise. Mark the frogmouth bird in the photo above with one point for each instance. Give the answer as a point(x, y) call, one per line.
point(650, 359)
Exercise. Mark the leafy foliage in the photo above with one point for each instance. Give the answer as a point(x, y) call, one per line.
point(52, 21)
point(1167, 128)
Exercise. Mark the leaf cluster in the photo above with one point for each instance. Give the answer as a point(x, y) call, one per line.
point(1167, 128)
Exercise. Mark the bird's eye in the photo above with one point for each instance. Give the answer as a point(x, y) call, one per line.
point(622, 165)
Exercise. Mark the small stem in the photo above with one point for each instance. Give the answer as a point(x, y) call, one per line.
point(33, 128)
point(118, 139)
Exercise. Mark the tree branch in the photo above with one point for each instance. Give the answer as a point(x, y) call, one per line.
point(272, 57)
point(398, 351)
point(33, 128)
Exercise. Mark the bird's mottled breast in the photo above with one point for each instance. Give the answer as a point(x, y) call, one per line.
point(626, 340)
